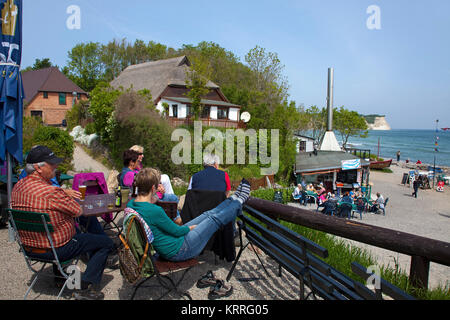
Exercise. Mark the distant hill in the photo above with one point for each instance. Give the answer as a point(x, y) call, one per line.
point(377, 122)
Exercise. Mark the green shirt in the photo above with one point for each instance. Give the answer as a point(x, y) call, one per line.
point(169, 236)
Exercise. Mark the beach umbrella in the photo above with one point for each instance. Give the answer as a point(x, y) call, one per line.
point(11, 88)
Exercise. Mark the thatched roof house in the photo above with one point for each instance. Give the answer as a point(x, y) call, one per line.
point(166, 80)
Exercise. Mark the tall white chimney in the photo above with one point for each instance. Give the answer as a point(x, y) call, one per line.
point(329, 141)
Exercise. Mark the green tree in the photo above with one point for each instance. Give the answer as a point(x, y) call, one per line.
point(349, 123)
point(196, 82)
point(268, 76)
point(85, 67)
point(102, 105)
point(39, 64)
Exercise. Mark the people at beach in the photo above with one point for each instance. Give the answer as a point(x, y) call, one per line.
point(416, 185)
point(211, 177)
point(398, 155)
point(378, 204)
point(179, 243)
point(347, 197)
point(36, 193)
point(419, 162)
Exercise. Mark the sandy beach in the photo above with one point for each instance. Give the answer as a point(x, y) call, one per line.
point(428, 216)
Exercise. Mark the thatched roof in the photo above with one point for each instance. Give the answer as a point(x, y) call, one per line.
point(156, 76)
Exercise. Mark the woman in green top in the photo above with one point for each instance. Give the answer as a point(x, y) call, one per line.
point(180, 243)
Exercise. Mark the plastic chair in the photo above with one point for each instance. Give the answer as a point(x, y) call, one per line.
point(28, 221)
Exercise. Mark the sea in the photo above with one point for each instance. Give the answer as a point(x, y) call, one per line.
point(412, 144)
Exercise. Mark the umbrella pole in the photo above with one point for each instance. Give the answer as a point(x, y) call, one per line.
point(9, 177)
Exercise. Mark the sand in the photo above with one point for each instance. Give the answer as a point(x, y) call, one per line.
point(428, 216)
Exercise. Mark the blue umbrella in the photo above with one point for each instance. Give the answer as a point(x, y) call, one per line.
point(11, 88)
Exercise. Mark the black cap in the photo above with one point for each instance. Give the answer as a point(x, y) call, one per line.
point(42, 154)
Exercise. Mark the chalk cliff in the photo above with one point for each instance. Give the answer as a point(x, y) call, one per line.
point(377, 122)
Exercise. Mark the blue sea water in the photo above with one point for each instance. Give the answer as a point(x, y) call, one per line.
point(413, 145)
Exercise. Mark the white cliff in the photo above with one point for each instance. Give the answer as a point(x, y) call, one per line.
point(377, 122)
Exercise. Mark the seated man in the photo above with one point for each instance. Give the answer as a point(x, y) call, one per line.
point(379, 203)
point(180, 243)
point(297, 194)
point(35, 193)
point(211, 178)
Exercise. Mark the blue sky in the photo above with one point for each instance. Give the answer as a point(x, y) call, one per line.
point(401, 70)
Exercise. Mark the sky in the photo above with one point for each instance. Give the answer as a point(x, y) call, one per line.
point(392, 61)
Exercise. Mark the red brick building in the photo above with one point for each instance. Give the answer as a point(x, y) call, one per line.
point(49, 94)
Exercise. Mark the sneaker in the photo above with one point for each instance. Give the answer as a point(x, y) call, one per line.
point(88, 294)
point(208, 280)
point(220, 290)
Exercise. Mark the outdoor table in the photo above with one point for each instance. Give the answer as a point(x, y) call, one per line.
point(354, 207)
point(96, 205)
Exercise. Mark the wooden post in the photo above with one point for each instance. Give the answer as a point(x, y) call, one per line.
point(419, 272)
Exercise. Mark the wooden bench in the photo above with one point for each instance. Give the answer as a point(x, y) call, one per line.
point(302, 258)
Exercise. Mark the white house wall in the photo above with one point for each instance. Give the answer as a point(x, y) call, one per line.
point(233, 114)
point(213, 113)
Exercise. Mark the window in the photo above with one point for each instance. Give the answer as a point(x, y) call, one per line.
point(302, 146)
point(175, 110)
point(206, 112)
point(45, 94)
point(78, 96)
point(222, 113)
point(62, 98)
point(37, 114)
point(189, 111)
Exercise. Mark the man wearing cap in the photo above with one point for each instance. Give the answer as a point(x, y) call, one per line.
point(36, 193)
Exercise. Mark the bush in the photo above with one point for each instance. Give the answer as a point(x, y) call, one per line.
point(78, 115)
point(138, 123)
point(59, 141)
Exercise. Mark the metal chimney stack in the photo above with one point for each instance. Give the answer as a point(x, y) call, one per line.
point(329, 141)
point(330, 99)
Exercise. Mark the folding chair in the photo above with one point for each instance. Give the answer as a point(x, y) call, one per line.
point(138, 242)
point(28, 221)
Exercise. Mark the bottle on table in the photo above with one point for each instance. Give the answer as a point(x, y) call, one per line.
point(118, 202)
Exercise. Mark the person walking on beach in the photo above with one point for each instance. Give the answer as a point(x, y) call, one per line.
point(398, 155)
point(416, 185)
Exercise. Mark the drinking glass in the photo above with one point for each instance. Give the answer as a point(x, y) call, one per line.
point(82, 189)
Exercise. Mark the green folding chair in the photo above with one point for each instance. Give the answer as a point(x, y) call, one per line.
point(38, 222)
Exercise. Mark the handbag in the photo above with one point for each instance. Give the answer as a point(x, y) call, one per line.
point(129, 267)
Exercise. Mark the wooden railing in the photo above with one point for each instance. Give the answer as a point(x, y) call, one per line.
point(220, 123)
point(422, 250)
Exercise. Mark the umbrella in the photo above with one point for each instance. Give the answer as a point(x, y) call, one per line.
point(11, 89)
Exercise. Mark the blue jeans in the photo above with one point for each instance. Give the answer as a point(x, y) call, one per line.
point(206, 225)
